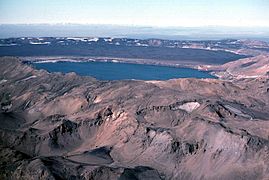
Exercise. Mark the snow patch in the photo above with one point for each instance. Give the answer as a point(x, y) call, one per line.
point(108, 39)
point(12, 44)
point(83, 39)
point(189, 106)
point(77, 39)
point(93, 39)
point(59, 60)
point(3, 81)
point(39, 43)
point(31, 77)
point(7, 107)
point(97, 99)
point(139, 44)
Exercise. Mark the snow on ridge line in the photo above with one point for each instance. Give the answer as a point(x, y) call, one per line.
point(73, 61)
point(93, 39)
point(12, 44)
point(38, 43)
point(83, 39)
point(61, 60)
point(108, 39)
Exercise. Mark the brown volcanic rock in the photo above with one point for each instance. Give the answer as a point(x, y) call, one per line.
point(253, 67)
point(67, 126)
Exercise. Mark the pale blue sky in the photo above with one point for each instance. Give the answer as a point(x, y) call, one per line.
point(137, 12)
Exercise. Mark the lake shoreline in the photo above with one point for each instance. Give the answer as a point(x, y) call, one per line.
point(117, 70)
point(165, 63)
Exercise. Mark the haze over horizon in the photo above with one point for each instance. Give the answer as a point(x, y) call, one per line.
point(140, 32)
point(169, 19)
point(157, 13)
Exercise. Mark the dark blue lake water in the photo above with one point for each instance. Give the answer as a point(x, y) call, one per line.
point(119, 71)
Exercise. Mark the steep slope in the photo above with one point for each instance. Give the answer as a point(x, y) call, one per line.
point(65, 126)
point(253, 67)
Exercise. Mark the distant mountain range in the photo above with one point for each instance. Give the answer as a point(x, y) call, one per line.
point(140, 32)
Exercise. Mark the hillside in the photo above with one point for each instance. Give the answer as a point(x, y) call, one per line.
point(63, 126)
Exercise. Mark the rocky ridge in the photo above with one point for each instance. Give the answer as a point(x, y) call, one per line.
point(63, 126)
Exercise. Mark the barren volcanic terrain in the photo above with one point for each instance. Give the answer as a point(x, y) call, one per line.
point(64, 126)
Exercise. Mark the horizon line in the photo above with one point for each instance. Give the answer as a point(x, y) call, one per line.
point(137, 25)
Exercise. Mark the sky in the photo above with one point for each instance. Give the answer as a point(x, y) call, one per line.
point(159, 13)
